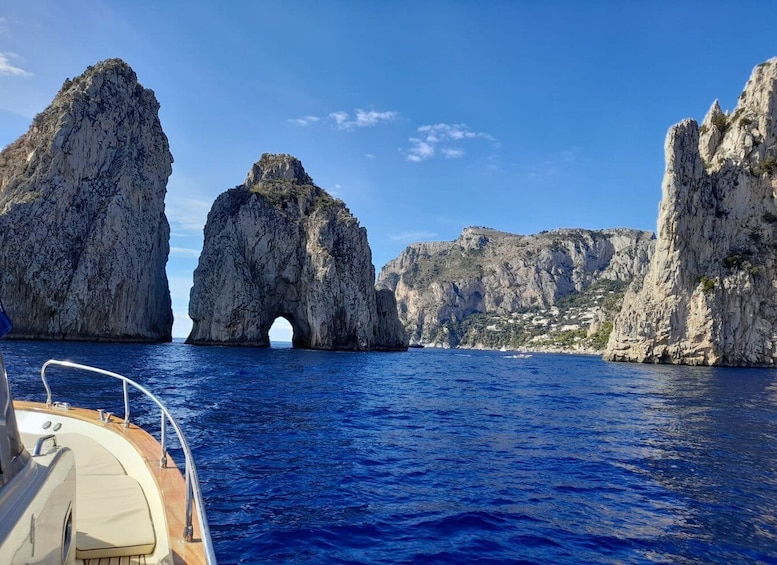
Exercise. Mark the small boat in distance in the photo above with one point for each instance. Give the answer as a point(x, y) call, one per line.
point(80, 486)
point(518, 356)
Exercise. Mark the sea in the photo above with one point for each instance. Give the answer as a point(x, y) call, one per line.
point(452, 456)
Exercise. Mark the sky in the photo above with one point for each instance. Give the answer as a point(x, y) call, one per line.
point(424, 117)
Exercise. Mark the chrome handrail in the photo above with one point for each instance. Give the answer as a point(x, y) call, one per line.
point(40, 442)
point(193, 490)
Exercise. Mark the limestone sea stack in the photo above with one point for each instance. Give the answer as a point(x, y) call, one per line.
point(83, 235)
point(709, 296)
point(280, 246)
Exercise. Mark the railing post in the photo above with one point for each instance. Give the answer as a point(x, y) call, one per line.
point(163, 434)
point(46, 384)
point(126, 405)
point(188, 531)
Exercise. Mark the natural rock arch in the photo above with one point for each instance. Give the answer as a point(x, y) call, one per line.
point(279, 246)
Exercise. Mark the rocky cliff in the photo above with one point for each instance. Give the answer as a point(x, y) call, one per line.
point(709, 296)
point(493, 289)
point(279, 246)
point(83, 233)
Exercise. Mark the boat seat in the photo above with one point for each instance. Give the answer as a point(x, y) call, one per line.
point(112, 514)
point(112, 518)
point(91, 457)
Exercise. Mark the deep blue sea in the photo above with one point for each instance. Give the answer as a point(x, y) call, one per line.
point(436, 456)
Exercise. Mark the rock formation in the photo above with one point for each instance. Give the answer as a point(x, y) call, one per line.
point(709, 296)
point(470, 292)
point(279, 246)
point(83, 233)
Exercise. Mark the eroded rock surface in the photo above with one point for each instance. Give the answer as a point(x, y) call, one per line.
point(83, 235)
point(280, 246)
point(490, 288)
point(709, 296)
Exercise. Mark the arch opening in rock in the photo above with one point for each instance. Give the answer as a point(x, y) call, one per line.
point(286, 328)
point(281, 332)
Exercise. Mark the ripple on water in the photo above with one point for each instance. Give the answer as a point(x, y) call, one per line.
point(441, 457)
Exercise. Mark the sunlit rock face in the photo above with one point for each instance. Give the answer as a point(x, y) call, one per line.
point(440, 285)
point(280, 246)
point(709, 296)
point(83, 235)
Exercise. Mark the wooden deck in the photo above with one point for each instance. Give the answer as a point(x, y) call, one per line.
point(134, 560)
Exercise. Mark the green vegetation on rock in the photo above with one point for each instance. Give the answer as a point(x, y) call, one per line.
point(721, 122)
point(279, 193)
point(451, 266)
point(707, 284)
point(562, 327)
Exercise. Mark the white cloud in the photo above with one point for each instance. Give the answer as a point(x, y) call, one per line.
point(420, 150)
point(447, 137)
point(344, 120)
point(450, 153)
point(369, 156)
point(372, 118)
point(186, 215)
point(340, 118)
point(363, 119)
point(7, 69)
point(446, 132)
point(304, 121)
point(185, 252)
point(412, 236)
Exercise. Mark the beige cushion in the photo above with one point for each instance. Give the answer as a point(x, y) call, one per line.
point(112, 514)
point(112, 518)
point(91, 457)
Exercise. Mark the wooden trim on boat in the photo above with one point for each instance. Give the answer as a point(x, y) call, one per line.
point(169, 481)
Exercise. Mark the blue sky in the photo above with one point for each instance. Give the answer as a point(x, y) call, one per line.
point(423, 116)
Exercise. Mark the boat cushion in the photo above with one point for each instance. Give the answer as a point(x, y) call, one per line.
point(113, 518)
point(91, 457)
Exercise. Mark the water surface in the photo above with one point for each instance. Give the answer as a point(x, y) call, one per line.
point(435, 456)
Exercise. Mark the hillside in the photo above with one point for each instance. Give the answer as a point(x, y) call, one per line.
point(553, 290)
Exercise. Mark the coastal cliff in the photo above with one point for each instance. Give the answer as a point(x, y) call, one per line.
point(83, 235)
point(709, 295)
point(555, 290)
point(280, 246)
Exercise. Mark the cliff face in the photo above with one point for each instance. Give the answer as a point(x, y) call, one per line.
point(280, 246)
point(709, 296)
point(83, 233)
point(454, 293)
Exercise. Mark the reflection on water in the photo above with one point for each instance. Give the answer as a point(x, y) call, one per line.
point(715, 441)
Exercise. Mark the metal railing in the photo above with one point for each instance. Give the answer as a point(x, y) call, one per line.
point(193, 491)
